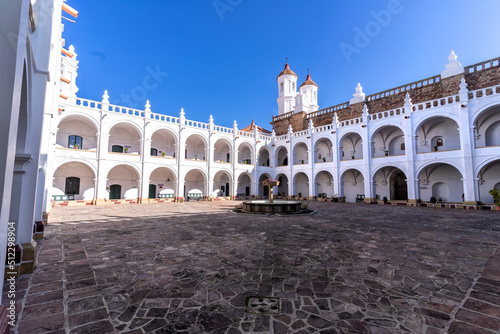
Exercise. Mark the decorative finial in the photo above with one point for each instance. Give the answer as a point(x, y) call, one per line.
point(452, 57)
point(407, 99)
point(463, 84)
point(307, 71)
point(148, 106)
point(358, 96)
point(235, 125)
point(365, 110)
point(182, 113)
point(105, 97)
point(287, 60)
point(211, 119)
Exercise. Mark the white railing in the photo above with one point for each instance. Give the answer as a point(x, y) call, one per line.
point(386, 114)
point(126, 111)
point(87, 103)
point(322, 128)
point(222, 129)
point(283, 137)
point(328, 110)
point(284, 116)
point(436, 103)
point(246, 134)
point(484, 92)
point(164, 118)
point(300, 133)
point(484, 65)
point(198, 125)
point(417, 84)
point(352, 121)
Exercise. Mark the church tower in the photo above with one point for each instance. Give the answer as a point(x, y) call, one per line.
point(287, 85)
point(307, 99)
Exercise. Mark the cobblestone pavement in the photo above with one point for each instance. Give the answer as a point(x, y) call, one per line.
point(197, 268)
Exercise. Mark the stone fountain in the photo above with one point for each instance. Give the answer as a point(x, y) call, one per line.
point(271, 206)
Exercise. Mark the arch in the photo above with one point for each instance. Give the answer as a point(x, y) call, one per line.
point(195, 147)
point(380, 126)
point(81, 170)
point(282, 189)
point(223, 180)
point(163, 178)
point(281, 157)
point(244, 187)
point(387, 139)
point(265, 156)
point(445, 173)
point(77, 125)
point(263, 191)
point(481, 111)
point(324, 184)
point(86, 117)
point(350, 132)
point(390, 181)
point(300, 154)
point(164, 141)
point(82, 161)
point(127, 176)
point(492, 134)
point(323, 150)
point(119, 134)
point(352, 146)
point(127, 122)
point(488, 175)
point(169, 130)
point(419, 123)
point(301, 184)
point(440, 162)
point(376, 169)
point(351, 184)
point(221, 154)
point(195, 182)
point(246, 153)
point(432, 128)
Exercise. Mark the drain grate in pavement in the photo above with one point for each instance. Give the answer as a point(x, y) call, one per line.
point(263, 305)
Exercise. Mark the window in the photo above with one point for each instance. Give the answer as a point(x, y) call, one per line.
point(439, 142)
point(117, 149)
point(154, 152)
point(75, 142)
point(403, 147)
point(72, 186)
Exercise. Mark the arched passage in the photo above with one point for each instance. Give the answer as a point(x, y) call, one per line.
point(162, 183)
point(123, 182)
point(195, 185)
point(283, 187)
point(264, 157)
point(281, 156)
point(487, 127)
point(324, 184)
point(77, 132)
point(391, 182)
point(442, 181)
point(74, 179)
point(387, 141)
point(124, 138)
point(195, 148)
point(244, 185)
point(222, 182)
point(323, 150)
point(245, 154)
point(352, 184)
point(300, 154)
point(222, 151)
point(438, 134)
point(352, 147)
point(163, 143)
point(301, 185)
point(489, 178)
point(263, 191)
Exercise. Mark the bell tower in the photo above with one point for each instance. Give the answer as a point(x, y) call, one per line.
point(287, 87)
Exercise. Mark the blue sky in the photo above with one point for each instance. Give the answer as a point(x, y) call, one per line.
point(222, 57)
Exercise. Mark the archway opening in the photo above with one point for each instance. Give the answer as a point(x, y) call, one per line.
point(195, 148)
point(126, 136)
point(388, 141)
point(441, 181)
point(73, 181)
point(300, 155)
point(301, 185)
point(438, 134)
point(194, 185)
point(264, 157)
point(222, 182)
point(163, 144)
point(489, 178)
point(162, 179)
point(352, 183)
point(77, 133)
point(222, 151)
point(244, 185)
point(324, 184)
point(263, 191)
point(352, 147)
point(245, 154)
point(127, 178)
point(323, 150)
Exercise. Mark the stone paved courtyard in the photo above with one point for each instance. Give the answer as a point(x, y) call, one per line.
point(197, 268)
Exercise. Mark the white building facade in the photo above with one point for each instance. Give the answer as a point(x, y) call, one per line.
point(447, 148)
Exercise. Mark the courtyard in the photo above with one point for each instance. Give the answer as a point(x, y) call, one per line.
point(196, 267)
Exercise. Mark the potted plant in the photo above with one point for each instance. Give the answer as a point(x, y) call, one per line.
point(352, 156)
point(385, 199)
point(435, 148)
point(386, 152)
point(77, 147)
point(163, 154)
point(433, 200)
point(496, 197)
point(440, 199)
point(125, 150)
point(324, 159)
point(302, 161)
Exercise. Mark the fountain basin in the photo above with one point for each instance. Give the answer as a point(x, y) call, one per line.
point(275, 207)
